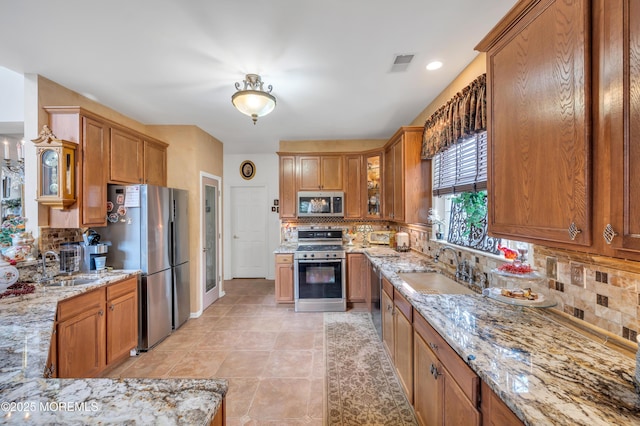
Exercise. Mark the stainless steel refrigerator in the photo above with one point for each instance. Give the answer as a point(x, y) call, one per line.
point(148, 230)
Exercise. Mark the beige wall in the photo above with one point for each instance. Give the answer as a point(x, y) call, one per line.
point(196, 152)
point(475, 68)
point(190, 151)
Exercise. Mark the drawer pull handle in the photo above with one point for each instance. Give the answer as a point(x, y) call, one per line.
point(434, 372)
point(433, 346)
point(112, 307)
point(101, 312)
point(609, 234)
point(573, 231)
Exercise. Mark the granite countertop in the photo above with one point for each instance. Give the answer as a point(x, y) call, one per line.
point(26, 324)
point(545, 372)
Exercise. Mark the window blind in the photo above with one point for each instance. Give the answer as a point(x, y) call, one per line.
point(461, 167)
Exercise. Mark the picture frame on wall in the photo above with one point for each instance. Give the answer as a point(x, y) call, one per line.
point(247, 170)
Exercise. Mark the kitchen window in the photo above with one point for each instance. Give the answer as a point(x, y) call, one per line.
point(459, 184)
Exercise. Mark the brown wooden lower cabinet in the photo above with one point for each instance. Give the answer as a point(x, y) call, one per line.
point(386, 308)
point(122, 319)
point(96, 329)
point(220, 419)
point(82, 335)
point(494, 411)
point(446, 390)
point(284, 278)
point(403, 351)
point(357, 277)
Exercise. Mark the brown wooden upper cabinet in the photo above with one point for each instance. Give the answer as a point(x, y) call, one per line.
point(134, 158)
point(320, 172)
point(126, 157)
point(154, 163)
point(620, 119)
point(406, 178)
point(137, 160)
point(353, 185)
point(90, 132)
point(564, 107)
point(539, 135)
point(288, 187)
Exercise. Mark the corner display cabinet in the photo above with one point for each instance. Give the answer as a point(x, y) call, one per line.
point(56, 170)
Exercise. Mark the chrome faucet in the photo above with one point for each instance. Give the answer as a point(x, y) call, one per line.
point(436, 257)
point(45, 276)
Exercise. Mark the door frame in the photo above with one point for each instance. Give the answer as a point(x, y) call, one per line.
point(203, 265)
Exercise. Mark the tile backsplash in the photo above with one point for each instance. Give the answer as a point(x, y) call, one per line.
point(604, 292)
point(50, 238)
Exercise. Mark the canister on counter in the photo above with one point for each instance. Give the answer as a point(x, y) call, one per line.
point(402, 241)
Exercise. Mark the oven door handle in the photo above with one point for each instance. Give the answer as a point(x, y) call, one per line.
point(336, 260)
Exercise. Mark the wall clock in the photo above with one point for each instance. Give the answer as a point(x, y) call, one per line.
point(247, 170)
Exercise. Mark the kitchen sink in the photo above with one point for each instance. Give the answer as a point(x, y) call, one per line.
point(70, 282)
point(432, 283)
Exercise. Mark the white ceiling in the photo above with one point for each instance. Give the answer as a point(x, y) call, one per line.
point(176, 62)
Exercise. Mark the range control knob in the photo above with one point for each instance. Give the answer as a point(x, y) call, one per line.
point(312, 255)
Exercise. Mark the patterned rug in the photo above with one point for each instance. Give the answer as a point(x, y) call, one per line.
point(362, 388)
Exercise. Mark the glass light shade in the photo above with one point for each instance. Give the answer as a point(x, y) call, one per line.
point(254, 103)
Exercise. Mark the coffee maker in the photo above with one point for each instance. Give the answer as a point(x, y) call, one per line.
point(94, 255)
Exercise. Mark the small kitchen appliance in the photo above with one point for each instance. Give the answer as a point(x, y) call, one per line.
point(320, 204)
point(92, 249)
point(70, 257)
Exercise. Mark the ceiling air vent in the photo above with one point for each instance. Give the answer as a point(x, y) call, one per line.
point(401, 62)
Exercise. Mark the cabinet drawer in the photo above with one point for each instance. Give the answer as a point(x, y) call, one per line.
point(78, 304)
point(284, 258)
point(464, 376)
point(118, 289)
point(387, 287)
point(402, 304)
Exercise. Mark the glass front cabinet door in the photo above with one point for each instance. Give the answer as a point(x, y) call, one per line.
point(56, 173)
point(374, 187)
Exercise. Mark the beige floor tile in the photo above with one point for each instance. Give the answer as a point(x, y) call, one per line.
point(154, 364)
point(316, 399)
point(257, 340)
point(295, 340)
point(289, 364)
point(240, 395)
point(280, 399)
point(199, 364)
point(243, 364)
point(319, 364)
point(216, 310)
point(218, 340)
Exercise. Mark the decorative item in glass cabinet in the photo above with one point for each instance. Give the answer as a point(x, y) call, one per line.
point(56, 170)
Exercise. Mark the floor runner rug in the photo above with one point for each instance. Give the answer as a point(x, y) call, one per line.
point(361, 385)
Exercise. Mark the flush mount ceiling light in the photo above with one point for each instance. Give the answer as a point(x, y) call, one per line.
point(252, 99)
point(434, 65)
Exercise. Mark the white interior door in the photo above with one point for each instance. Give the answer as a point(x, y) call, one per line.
point(249, 231)
point(210, 240)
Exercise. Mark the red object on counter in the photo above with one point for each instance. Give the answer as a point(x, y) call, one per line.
point(508, 253)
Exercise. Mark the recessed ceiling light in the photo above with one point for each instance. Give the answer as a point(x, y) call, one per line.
point(434, 65)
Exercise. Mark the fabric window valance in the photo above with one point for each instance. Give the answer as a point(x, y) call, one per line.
point(464, 115)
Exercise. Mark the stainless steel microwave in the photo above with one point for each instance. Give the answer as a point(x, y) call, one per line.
point(314, 203)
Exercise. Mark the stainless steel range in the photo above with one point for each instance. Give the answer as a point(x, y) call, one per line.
point(320, 271)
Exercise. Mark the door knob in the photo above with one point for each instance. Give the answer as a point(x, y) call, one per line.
point(235, 237)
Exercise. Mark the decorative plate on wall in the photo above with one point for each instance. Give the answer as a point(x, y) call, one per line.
point(247, 170)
